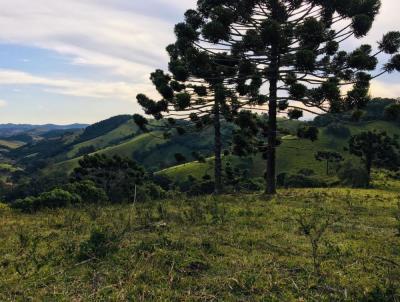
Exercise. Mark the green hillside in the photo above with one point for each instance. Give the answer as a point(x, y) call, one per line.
point(121, 136)
point(10, 144)
point(294, 154)
point(152, 150)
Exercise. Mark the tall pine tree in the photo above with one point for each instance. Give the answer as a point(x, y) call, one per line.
point(287, 55)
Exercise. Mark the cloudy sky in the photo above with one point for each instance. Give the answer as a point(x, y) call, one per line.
point(65, 61)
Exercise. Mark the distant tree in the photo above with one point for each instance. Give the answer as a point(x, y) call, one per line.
point(117, 176)
point(392, 112)
point(308, 132)
point(376, 149)
point(85, 150)
point(338, 130)
point(180, 158)
point(329, 157)
point(197, 156)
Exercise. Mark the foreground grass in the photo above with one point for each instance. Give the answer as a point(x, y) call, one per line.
point(304, 245)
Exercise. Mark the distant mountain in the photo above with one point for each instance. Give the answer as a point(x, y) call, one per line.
point(14, 129)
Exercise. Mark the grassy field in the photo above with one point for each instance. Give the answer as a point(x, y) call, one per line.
point(10, 144)
point(303, 245)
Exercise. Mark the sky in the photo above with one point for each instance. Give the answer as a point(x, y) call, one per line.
point(67, 61)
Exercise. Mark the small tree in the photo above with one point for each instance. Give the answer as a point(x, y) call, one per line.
point(117, 176)
point(329, 157)
point(376, 149)
point(392, 112)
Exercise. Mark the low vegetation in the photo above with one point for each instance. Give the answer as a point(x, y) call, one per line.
point(302, 245)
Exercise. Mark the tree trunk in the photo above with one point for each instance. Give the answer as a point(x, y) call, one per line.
point(368, 163)
point(217, 150)
point(327, 167)
point(272, 122)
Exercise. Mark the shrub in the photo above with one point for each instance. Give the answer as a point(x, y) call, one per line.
point(308, 132)
point(306, 172)
point(392, 112)
point(354, 176)
point(338, 130)
point(116, 175)
point(163, 181)
point(99, 245)
point(88, 191)
point(4, 208)
point(56, 198)
point(149, 192)
point(302, 181)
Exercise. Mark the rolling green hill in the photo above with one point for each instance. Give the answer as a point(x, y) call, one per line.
point(121, 136)
point(294, 154)
point(10, 144)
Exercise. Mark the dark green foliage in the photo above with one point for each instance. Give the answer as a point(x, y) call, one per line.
point(116, 176)
point(103, 127)
point(149, 192)
point(88, 192)
point(380, 294)
point(329, 157)
point(180, 158)
point(302, 181)
point(197, 156)
point(376, 149)
point(338, 130)
point(308, 132)
point(390, 43)
point(295, 114)
point(353, 176)
point(56, 198)
point(392, 112)
point(85, 150)
point(100, 244)
point(306, 172)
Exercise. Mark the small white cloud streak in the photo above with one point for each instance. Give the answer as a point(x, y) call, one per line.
point(3, 103)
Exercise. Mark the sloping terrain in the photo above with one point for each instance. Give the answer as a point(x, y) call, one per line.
point(294, 154)
point(228, 248)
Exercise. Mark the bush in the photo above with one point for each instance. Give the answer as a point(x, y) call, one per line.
point(56, 198)
point(338, 130)
point(4, 208)
point(149, 192)
point(88, 191)
point(280, 179)
point(306, 172)
point(354, 176)
point(99, 245)
point(302, 181)
point(392, 112)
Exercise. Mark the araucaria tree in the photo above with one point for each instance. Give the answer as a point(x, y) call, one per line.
point(376, 149)
point(286, 55)
point(329, 157)
point(194, 92)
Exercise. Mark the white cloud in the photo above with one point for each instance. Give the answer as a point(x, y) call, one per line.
point(79, 88)
point(385, 90)
point(3, 103)
point(124, 42)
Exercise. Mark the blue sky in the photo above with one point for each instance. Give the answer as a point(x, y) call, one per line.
point(65, 61)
